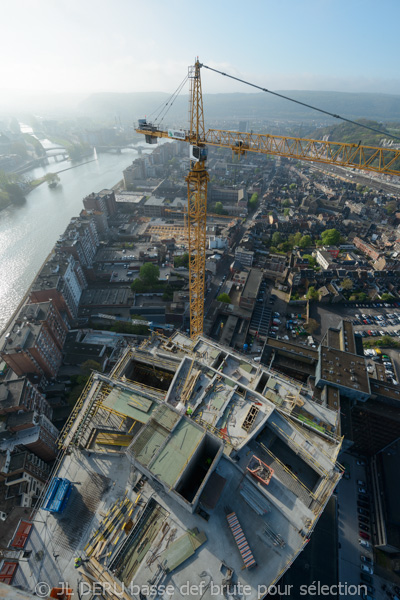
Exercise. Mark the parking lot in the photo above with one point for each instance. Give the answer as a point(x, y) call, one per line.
point(376, 322)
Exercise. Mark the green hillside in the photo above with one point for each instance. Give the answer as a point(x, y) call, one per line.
point(378, 107)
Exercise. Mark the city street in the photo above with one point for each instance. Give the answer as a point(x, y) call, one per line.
point(350, 549)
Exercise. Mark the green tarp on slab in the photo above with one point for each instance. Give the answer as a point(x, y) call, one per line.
point(182, 549)
point(132, 405)
point(172, 459)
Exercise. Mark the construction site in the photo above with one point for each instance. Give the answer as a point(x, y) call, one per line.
point(188, 465)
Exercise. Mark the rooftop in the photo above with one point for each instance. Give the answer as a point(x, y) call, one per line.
point(344, 369)
point(169, 436)
point(252, 285)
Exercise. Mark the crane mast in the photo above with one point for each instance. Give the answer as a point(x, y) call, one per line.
point(197, 180)
point(368, 158)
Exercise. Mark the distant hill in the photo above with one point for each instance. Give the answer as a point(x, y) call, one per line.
point(130, 107)
point(346, 132)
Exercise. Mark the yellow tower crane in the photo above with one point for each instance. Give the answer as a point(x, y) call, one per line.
point(368, 158)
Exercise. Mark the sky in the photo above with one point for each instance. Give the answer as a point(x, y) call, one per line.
point(86, 46)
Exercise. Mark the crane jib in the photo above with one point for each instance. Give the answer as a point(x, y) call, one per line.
point(382, 160)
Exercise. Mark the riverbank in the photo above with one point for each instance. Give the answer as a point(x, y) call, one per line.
point(36, 182)
point(29, 231)
point(22, 302)
point(26, 295)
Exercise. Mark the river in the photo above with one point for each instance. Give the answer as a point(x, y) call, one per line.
point(29, 232)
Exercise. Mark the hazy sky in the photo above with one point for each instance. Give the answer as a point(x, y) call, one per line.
point(146, 45)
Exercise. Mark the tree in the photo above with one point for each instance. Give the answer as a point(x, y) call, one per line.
point(286, 203)
point(386, 340)
point(385, 297)
point(391, 207)
point(276, 238)
point(311, 326)
point(292, 186)
point(330, 237)
point(253, 202)
point(77, 151)
point(347, 284)
point(90, 365)
point(311, 260)
point(122, 327)
point(182, 261)
point(219, 209)
point(305, 241)
point(79, 381)
point(296, 238)
point(285, 246)
point(362, 297)
point(14, 192)
point(52, 179)
point(224, 298)
point(149, 273)
point(312, 293)
point(286, 212)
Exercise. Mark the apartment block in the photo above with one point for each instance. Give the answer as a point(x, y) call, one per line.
point(245, 257)
point(81, 240)
point(35, 340)
point(24, 475)
point(366, 248)
point(19, 395)
point(62, 281)
point(103, 201)
point(32, 431)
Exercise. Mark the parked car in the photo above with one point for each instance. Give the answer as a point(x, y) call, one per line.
point(361, 490)
point(367, 569)
point(366, 559)
point(370, 589)
point(362, 511)
point(363, 527)
point(365, 536)
point(359, 482)
point(364, 543)
point(361, 462)
point(363, 520)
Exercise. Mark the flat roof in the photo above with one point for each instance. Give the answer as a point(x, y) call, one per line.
point(385, 389)
point(130, 197)
point(345, 369)
point(301, 351)
point(252, 284)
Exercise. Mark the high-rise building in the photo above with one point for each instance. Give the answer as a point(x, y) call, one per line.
point(18, 395)
point(62, 281)
point(103, 201)
point(35, 341)
point(32, 431)
point(81, 240)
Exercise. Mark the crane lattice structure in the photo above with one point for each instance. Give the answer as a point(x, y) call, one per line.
point(356, 156)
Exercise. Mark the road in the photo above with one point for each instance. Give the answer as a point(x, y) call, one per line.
point(349, 547)
point(358, 177)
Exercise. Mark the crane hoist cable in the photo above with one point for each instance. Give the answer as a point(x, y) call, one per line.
point(165, 106)
point(325, 112)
